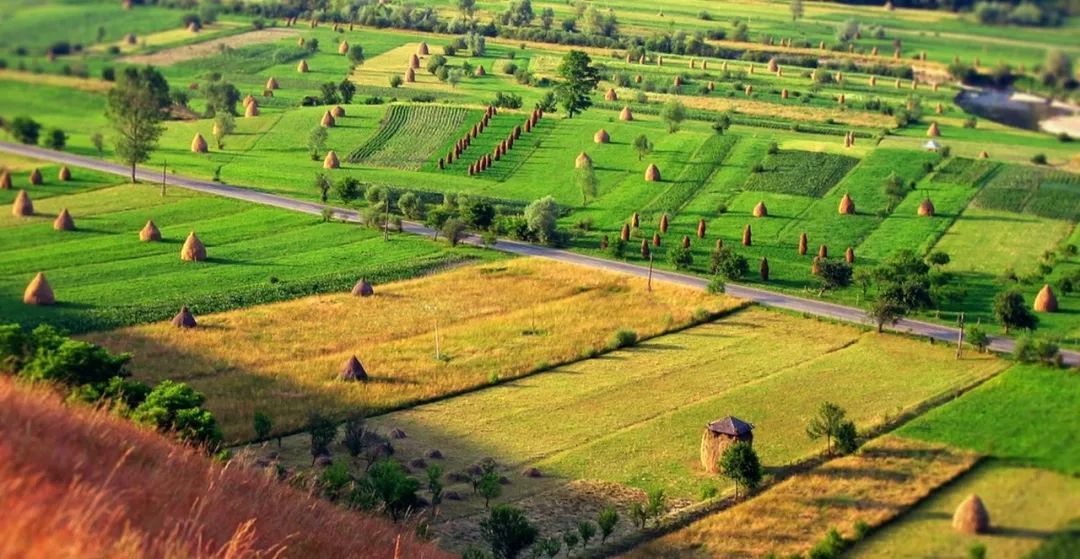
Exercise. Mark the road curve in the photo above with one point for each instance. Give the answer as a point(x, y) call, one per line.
point(761, 296)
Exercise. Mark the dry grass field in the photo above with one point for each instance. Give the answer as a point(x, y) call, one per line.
point(879, 482)
point(494, 321)
point(202, 49)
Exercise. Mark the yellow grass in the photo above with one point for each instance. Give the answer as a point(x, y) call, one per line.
point(881, 481)
point(793, 112)
point(503, 319)
point(85, 84)
point(201, 49)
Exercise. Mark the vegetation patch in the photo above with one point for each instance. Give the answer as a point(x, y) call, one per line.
point(1021, 188)
point(410, 134)
point(964, 171)
point(806, 173)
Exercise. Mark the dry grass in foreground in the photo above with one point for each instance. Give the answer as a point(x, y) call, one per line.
point(76, 482)
point(882, 480)
point(499, 320)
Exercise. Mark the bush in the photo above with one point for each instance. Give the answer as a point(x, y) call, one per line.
point(729, 264)
point(716, 286)
point(1039, 159)
point(623, 338)
point(395, 81)
point(25, 130)
point(174, 407)
point(1031, 350)
point(681, 257)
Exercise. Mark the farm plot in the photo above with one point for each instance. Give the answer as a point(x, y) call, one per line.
point(1021, 188)
point(495, 321)
point(804, 173)
point(990, 241)
point(964, 171)
point(410, 134)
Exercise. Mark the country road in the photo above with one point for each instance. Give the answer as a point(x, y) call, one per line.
point(760, 296)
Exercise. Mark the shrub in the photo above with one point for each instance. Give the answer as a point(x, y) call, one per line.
point(1031, 350)
point(729, 264)
point(623, 338)
point(174, 407)
point(25, 130)
point(716, 286)
point(681, 257)
point(395, 81)
point(1039, 159)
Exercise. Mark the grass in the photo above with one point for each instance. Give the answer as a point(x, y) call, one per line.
point(1026, 506)
point(493, 321)
point(800, 172)
point(409, 135)
point(989, 241)
point(873, 486)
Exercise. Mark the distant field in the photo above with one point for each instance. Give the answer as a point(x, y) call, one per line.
point(804, 173)
point(989, 241)
point(409, 136)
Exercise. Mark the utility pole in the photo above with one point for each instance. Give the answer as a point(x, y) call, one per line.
point(164, 165)
point(650, 271)
point(386, 220)
point(960, 337)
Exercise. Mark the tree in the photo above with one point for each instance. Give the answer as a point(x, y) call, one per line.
point(507, 531)
point(903, 286)
point(729, 264)
point(796, 9)
point(328, 93)
point(518, 14)
point(394, 489)
point(454, 77)
point(1012, 312)
point(642, 146)
point(453, 229)
point(681, 257)
point(323, 185)
point(221, 96)
point(98, 139)
point(885, 311)
point(347, 90)
point(586, 530)
point(541, 216)
point(395, 81)
point(322, 430)
point(467, 7)
point(316, 142)
point(847, 438)
point(1057, 66)
point(673, 113)
point(833, 274)
point(55, 139)
point(978, 339)
point(579, 79)
point(135, 108)
point(826, 423)
point(655, 503)
point(585, 178)
point(224, 124)
point(722, 123)
point(25, 130)
point(174, 407)
point(349, 190)
point(740, 464)
point(263, 424)
point(607, 519)
point(356, 55)
point(488, 486)
point(477, 213)
point(410, 205)
point(435, 485)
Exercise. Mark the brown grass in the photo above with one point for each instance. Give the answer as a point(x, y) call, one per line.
point(204, 49)
point(76, 482)
point(885, 478)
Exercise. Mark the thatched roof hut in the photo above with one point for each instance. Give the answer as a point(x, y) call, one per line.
point(198, 144)
point(22, 206)
point(664, 223)
point(719, 435)
point(414, 61)
point(746, 236)
point(701, 228)
point(35, 176)
point(251, 110)
point(363, 288)
point(926, 208)
point(1045, 301)
point(5, 180)
point(652, 173)
point(971, 516)
point(626, 114)
point(39, 292)
point(763, 269)
point(184, 319)
point(343, 48)
point(760, 210)
point(272, 83)
point(331, 161)
point(327, 120)
point(847, 205)
point(849, 255)
point(933, 131)
point(193, 249)
point(611, 95)
point(63, 222)
point(422, 49)
point(802, 244)
point(479, 72)
point(338, 111)
point(352, 370)
point(64, 175)
point(601, 136)
point(149, 232)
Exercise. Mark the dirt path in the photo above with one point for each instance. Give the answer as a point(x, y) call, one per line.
point(175, 55)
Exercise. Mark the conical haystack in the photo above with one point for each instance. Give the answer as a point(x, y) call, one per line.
point(664, 223)
point(249, 99)
point(760, 210)
point(149, 232)
point(849, 255)
point(410, 75)
point(251, 110)
point(746, 236)
point(763, 269)
point(656, 239)
point(5, 180)
point(701, 229)
point(343, 48)
point(984, 154)
point(64, 175)
point(624, 233)
point(352, 370)
point(971, 516)
point(22, 206)
point(635, 220)
point(338, 111)
point(63, 222)
point(302, 67)
point(422, 49)
point(601, 136)
point(626, 114)
point(823, 251)
point(331, 161)
point(480, 72)
point(272, 84)
point(847, 205)
point(926, 208)
point(583, 160)
point(300, 42)
point(35, 176)
point(193, 27)
point(39, 292)
point(652, 173)
point(1045, 301)
point(802, 244)
point(131, 39)
point(327, 120)
point(414, 62)
point(784, 93)
point(198, 144)
point(363, 289)
point(611, 95)
point(184, 319)
point(773, 66)
point(193, 249)
point(933, 131)
point(645, 252)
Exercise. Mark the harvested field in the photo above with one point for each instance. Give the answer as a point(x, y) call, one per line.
point(409, 135)
point(83, 84)
point(805, 173)
point(183, 53)
point(991, 241)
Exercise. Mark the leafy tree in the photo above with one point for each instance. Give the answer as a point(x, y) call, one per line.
point(740, 464)
point(435, 485)
point(221, 96)
point(729, 264)
point(466, 7)
point(395, 81)
point(263, 424)
point(586, 530)
point(847, 438)
point(519, 13)
point(411, 206)
point(73, 362)
point(394, 489)
point(978, 339)
point(722, 123)
point(323, 185)
point(885, 311)
point(642, 146)
point(174, 407)
point(323, 431)
point(607, 519)
point(346, 90)
point(585, 178)
point(547, 18)
point(55, 139)
point(938, 258)
point(135, 108)
point(355, 435)
point(903, 286)
point(547, 103)
point(328, 93)
point(1012, 312)
point(98, 139)
point(453, 229)
point(349, 190)
point(224, 124)
point(655, 503)
point(488, 486)
point(579, 78)
point(316, 142)
point(673, 113)
point(507, 531)
point(356, 55)
point(478, 213)
point(681, 257)
point(826, 423)
point(833, 274)
point(549, 547)
point(1030, 350)
point(541, 215)
point(25, 130)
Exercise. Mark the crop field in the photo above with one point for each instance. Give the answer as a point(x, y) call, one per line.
point(876, 484)
point(963, 171)
point(989, 241)
point(800, 172)
point(409, 135)
point(492, 321)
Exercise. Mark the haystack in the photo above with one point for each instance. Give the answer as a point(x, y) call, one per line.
point(984, 155)
point(847, 205)
point(760, 210)
point(763, 269)
point(5, 180)
point(343, 48)
point(64, 175)
point(773, 66)
point(746, 236)
point(664, 223)
point(131, 39)
point(35, 177)
point(252, 110)
point(635, 220)
point(327, 120)
point(1045, 301)
point(784, 93)
point(823, 251)
point(198, 144)
point(873, 81)
point(302, 67)
point(719, 435)
point(971, 516)
point(840, 99)
point(338, 111)
point(624, 233)
point(184, 319)
point(719, 244)
point(272, 84)
point(926, 208)
point(802, 244)
point(933, 131)
point(353, 370)
point(652, 173)
point(849, 255)
point(677, 81)
point(601, 136)
point(193, 249)
point(414, 61)
point(626, 114)
point(363, 288)
point(63, 222)
point(331, 161)
point(815, 267)
point(39, 292)
point(22, 206)
point(749, 89)
point(300, 42)
point(479, 72)
point(583, 160)
point(149, 232)
point(656, 239)
point(611, 95)
point(249, 99)
point(193, 27)
point(701, 228)
point(645, 249)
point(422, 49)
point(686, 241)
point(939, 108)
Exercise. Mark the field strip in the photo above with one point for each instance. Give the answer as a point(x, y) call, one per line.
point(184, 53)
point(84, 84)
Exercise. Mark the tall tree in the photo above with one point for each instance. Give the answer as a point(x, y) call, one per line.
point(585, 177)
point(1012, 312)
point(642, 146)
point(827, 423)
point(673, 113)
point(507, 531)
point(579, 79)
point(740, 464)
point(135, 108)
point(224, 124)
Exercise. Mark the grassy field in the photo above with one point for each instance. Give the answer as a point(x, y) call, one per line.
point(1026, 506)
point(492, 321)
point(991, 241)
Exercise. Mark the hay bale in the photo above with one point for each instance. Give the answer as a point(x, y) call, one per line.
point(193, 27)
point(22, 206)
point(686, 241)
point(840, 99)
point(626, 114)
point(933, 131)
point(422, 49)
point(635, 220)
point(638, 78)
point(601, 137)
point(198, 144)
point(773, 66)
point(343, 48)
point(802, 244)
point(847, 205)
point(480, 72)
point(131, 39)
point(149, 232)
point(984, 154)
point(63, 222)
point(652, 173)
point(823, 251)
point(701, 228)
point(64, 175)
point(193, 249)
point(971, 516)
point(302, 67)
point(746, 236)
point(664, 223)
point(849, 255)
point(926, 208)
point(1045, 301)
point(815, 267)
point(872, 81)
point(39, 292)
point(645, 249)
point(272, 83)
point(583, 160)
point(677, 81)
point(35, 177)
point(410, 76)
point(249, 99)
point(300, 42)
point(434, 454)
point(251, 110)
point(331, 161)
point(749, 90)
point(338, 111)
point(363, 288)
point(719, 244)
point(939, 108)
point(352, 370)
point(624, 233)
point(184, 319)
point(414, 62)
point(611, 95)
point(398, 434)
point(763, 269)
point(656, 239)
point(784, 93)
point(327, 120)
point(5, 180)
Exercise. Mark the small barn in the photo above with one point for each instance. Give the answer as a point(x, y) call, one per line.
point(719, 435)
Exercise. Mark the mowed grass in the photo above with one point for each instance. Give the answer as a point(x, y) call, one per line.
point(872, 486)
point(493, 321)
point(991, 241)
point(1026, 506)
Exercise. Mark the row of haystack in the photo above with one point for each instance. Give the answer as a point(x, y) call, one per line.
point(506, 144)
point(35, 178)
point(465, 141)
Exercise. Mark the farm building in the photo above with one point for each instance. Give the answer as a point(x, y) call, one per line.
point(719, 435)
